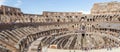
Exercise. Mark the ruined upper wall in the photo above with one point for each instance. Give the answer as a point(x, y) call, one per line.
point(106, 8)
point(7, 10)
point(98, 8)
point(47, 13)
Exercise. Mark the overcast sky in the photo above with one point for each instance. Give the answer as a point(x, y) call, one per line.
point(38, 6)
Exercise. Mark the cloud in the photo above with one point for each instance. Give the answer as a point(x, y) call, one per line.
point(2, 2)
point(18, 3)
point(85, 12)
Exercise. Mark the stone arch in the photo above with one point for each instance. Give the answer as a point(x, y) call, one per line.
point(90, 19)
point(58, 20)
point(118, 19)
point(31, 19)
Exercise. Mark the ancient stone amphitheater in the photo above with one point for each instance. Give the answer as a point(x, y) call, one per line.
point(61, 31)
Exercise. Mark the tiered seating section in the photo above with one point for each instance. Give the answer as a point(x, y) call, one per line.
point(4, 49)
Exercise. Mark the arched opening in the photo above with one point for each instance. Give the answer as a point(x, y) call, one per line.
point(58, 20)
point(119, 19)
point(87, 20)
point(31, 20)
point(82, 18)
point(90, 19)
point(83, 35)
point(72, 26)
point(110, 18)
point(93, 19)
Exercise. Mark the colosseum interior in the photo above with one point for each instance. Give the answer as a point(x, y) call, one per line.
point(98, 31)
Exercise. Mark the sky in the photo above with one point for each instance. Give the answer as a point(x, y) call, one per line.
point(38, 6)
